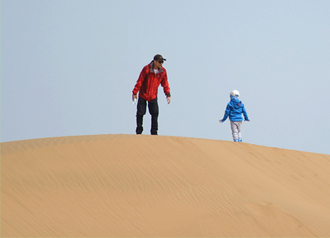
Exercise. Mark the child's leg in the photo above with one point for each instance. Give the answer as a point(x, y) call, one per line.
point(239, 125)
point(234, 130)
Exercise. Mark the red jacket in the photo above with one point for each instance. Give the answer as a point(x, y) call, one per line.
point(148, 83)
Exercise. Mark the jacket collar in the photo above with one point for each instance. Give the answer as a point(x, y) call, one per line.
point(152, 68)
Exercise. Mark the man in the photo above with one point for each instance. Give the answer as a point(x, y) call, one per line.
point(151, 76)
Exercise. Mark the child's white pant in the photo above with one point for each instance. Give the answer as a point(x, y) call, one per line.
point(236, 129)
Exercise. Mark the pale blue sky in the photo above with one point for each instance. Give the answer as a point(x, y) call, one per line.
point(68, 68)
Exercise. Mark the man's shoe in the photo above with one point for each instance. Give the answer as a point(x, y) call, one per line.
point(139, 130)
point(240, 140)
point(235, 140)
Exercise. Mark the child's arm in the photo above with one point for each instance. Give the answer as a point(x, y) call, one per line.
point(225, 116)
point(246, 118)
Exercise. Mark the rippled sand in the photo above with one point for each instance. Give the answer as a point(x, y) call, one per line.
point(148, 186)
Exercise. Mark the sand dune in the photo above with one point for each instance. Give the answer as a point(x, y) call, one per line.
point(160, 186)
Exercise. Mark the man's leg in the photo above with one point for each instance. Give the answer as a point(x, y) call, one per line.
point(154, 111)
point(141, 110)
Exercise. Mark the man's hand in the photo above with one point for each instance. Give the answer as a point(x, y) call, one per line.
point(134, 97)
point(168, 100)
point(220, 121)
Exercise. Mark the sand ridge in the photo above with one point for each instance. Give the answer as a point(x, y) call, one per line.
point(148, 186)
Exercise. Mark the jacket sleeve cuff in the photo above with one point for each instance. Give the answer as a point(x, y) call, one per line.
point(168, 95)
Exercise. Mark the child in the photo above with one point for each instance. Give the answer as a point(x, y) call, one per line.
point(234, 110)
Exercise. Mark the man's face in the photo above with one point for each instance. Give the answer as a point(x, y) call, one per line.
point(158, 63)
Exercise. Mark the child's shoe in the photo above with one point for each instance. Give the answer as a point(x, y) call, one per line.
point(239, 140)
point(235, 140)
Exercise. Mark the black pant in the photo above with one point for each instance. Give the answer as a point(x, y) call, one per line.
point(141, 111)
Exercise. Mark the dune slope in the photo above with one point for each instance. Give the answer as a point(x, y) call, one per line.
point(148, 186)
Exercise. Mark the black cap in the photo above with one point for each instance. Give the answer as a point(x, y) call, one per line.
point(158, 57)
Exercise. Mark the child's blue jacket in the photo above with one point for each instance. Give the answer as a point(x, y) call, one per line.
point(234, 110)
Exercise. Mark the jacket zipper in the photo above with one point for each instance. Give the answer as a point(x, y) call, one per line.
point(149, 86)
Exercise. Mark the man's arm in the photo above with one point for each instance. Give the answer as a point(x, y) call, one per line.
point(139, 82)
point(166, 87)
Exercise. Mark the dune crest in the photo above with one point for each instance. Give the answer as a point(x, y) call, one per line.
point(147, 186)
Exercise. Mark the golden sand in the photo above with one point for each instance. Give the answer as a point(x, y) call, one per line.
point(161, 186)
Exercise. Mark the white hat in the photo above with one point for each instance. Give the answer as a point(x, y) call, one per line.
point(234, 93)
